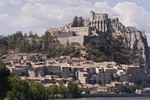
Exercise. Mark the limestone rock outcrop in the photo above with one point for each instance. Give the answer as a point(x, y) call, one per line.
point(133, 38)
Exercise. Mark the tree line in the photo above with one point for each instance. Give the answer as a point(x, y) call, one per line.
point(23, 90)
point(109, 48)
point(25, 43)
point(33, 43)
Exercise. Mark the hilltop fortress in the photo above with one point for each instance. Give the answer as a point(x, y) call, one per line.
point(95, 25)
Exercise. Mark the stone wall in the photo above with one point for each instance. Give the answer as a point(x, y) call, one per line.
point(75, 39)
point(79, 30)
point(63, 41)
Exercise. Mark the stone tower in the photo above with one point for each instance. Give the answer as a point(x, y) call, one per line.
point(92, 15)
point(99, 21)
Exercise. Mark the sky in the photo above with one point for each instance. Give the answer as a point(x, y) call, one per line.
point(38, 15)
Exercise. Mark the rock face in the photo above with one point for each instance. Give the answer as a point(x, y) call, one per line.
point(134, 39)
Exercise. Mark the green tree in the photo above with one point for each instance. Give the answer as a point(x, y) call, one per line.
point(38, 91)
point(63, 91)
point(47, 38)
point(20, 42)
point(78, 22)
point(75, 22)
point(54, 91)
point(4, 80)
point(77, 53)
point(126, 89)
point(19, 90)
point(73, 90)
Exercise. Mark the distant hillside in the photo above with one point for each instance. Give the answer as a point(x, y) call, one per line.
point(20, 42)
point(134, 39)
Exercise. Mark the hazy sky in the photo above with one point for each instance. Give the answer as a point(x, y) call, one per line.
point(38, 15)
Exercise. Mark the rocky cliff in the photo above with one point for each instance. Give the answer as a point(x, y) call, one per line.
point(133, 38)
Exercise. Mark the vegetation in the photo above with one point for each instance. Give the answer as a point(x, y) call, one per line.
point(47, 38)
point(25, 43)
point(60, 50)
point(109, 48)
point(127, 89)
point(20, 42)
point(33, 43)
point(19, 90)
point(73, 90)
point(78, 22)
point(143, 84)
point(23, 90)
point(4, 80)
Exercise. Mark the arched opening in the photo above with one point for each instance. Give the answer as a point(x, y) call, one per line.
point(104, 25)
point(98, 25)
point(101, 25)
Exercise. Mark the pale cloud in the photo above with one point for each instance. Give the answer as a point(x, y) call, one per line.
point(34, 1)
point(9, 3)
point(130, 14)
point(103, 5)
point(15, 2)
point(5, 19)
point(39, 15)
point(2, 4)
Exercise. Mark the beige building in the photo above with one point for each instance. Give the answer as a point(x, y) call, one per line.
point(83, 77)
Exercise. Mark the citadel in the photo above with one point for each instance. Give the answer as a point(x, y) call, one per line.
point(95, 25)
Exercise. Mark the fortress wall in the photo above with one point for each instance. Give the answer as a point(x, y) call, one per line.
point(79, 30)
point(63, 41)
point(75, 39)
point(78, 39)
